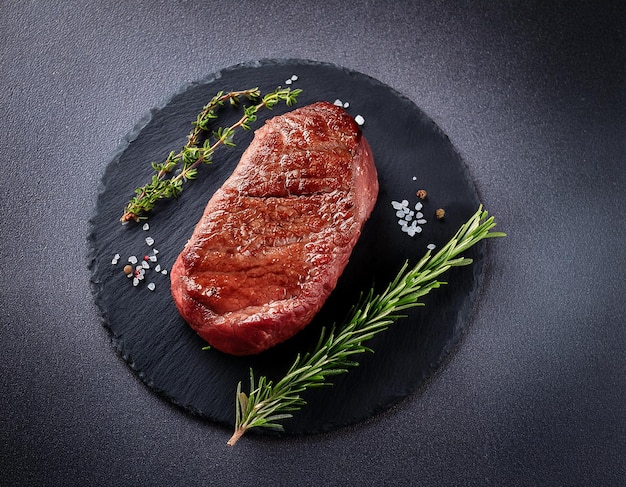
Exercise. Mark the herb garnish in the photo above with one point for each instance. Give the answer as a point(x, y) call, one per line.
point(268, 403)
point(193, 154)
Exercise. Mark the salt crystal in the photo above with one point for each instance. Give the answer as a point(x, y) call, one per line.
point(115, 259)
point(359, 120)
point(419, 214)
point(418, 206)
point(414, 178)
point(402, 223)
point(132, 259)
point(346, 105)
point(431, 246)
point(396, 205)
point(158, 268)
point(400, 214)
point(151, 286)
point(149, 241)
point(405, 203)
point(294, 77)
point(338, 102)
point(164, 271)
point(145, 265)
point(146, 227)
point(155, 251)
point(152, 258)
point(421, 221)
point(135, 281)
point(288, 81)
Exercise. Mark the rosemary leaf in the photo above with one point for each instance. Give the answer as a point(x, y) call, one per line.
point(267, 402)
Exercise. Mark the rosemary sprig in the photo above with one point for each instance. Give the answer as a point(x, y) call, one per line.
point(192, 154)
point(268, 403)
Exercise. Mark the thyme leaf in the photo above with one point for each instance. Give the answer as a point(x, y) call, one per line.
point(268, 403)
point(164, 184)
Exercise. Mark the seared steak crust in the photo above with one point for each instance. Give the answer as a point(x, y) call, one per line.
point(274, 239)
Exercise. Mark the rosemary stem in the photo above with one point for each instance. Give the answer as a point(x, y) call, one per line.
point(267, 403)
point(236, 435)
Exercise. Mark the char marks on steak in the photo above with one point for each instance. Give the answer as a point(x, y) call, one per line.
point(274, 239)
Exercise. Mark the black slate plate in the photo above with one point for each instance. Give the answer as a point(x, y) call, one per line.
point(410, 153)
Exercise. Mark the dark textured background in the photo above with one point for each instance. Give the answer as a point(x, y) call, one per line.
point(532, 96)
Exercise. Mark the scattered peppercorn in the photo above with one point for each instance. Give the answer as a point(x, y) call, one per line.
point(128, 269)
point(421, 194)
point(440, 213)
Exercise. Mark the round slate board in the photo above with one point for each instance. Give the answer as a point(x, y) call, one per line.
point(410, 152)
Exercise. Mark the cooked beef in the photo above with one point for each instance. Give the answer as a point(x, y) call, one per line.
point(274, 239)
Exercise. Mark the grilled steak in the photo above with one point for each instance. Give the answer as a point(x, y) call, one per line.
point(274, 239)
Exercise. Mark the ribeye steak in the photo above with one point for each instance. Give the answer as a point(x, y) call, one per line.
point(274, 239)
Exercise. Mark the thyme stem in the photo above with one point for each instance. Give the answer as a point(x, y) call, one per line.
point(267, 403)
point(192, 155)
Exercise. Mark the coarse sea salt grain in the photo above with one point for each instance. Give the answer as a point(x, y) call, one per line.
point(146, 227)
point(151, 286)
point(288, 81)
point(412, 229)
point(149, 241)
point(338, 102)
point(158, 268)
point(135, 281)
point(132, 259)
point(115, 259)
point(431, 246)
point(359, 120)
point(409, 220)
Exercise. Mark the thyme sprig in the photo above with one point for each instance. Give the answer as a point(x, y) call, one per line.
point(268, 403)
point(193, 153)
